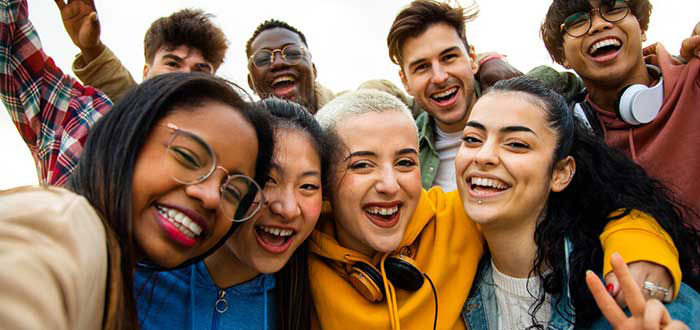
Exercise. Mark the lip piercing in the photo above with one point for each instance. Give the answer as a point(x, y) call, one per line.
point(479, 202)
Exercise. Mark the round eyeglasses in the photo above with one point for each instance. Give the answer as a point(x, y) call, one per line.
point(291, 54)
point(190, 160)
point(578, 24)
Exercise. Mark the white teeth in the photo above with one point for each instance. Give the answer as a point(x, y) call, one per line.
point(181, 221)
point(484, 182)
point(281, 79)
point(603, 43)
point(382, 210)
point(277, 231)
point(445, 93)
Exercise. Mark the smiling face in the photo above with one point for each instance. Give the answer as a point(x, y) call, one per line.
point(167, 214)
point(609, 55)
point(291, 82)
point(376, 186)
point(439, 71)
point(293, 192)
point(504, 164)
point(181, 59)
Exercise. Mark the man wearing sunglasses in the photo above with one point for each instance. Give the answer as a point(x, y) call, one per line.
point(185, 41)
point(646, 107)
point(279, 64)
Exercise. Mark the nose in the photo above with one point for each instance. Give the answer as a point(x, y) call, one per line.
point(387, 183)
point(283, 203)
point(277, 60)
point(487, 155)
point(439, 75)
point(208, 191)
point(598, 24)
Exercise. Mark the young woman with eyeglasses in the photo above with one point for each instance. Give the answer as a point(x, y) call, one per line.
point(391, 255)
point(162, 180)
point(542, 188)
point(258, 279)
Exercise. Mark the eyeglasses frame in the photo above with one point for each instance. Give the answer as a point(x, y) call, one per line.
point(562, 27)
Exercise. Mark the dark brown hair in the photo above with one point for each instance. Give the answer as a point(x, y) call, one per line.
point(559, 10)
point(418, 17)
point(189, 27)
point(269, 25)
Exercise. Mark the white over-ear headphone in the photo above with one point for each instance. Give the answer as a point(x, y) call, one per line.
point(638, 104)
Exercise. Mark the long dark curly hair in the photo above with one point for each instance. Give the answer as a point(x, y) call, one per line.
point(605, 181)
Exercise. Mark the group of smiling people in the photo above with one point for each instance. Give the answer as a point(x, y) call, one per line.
point(186, 205)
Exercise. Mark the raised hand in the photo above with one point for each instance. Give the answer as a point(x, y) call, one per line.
point(643, 271)
point(691, 46)
point(495, 69)
point(81, 22)
point(648, 315)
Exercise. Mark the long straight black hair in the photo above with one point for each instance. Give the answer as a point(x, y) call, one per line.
point(294, 300)
point(605, 181)
point(105, 171)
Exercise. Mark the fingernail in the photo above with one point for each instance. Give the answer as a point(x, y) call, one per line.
point(611, 288)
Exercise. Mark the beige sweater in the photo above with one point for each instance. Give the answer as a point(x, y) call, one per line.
point(53, 260)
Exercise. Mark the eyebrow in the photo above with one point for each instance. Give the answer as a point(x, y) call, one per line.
point(360, 153)
point(407, 151)
point(280, 47)
point(173, 57)
point(277, 167)
point(506, 129)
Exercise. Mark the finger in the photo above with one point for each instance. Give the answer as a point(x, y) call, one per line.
point(605, 302)
point(612, 284)
point(655, 315)
point(633, 296)
point(60, 3)
point(676, 325)
point(91, 3)
point(690, 47)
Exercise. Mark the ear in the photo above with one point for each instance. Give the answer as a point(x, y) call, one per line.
point(563, 173)
point(251, 84)
point(145, 71)
point(313, 66)
point(404, 81)
point(472, 56)
point(644, 36)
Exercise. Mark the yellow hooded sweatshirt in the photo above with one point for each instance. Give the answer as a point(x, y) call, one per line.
point(446, 246)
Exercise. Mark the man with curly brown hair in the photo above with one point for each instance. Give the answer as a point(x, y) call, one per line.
point(185, 41)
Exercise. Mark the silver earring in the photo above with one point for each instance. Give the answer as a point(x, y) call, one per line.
point(479, 202)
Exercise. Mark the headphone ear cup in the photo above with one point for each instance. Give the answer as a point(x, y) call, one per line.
point(367, 281)
point(403, 272)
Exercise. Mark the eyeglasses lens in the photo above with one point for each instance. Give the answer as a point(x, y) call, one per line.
point(189, 159)
point(291, 55)
point(241, 198)
point(579, 23)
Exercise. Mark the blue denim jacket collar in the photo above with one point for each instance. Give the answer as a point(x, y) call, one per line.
point(481, 310)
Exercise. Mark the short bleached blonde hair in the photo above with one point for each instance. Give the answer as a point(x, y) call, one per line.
point(358, 103)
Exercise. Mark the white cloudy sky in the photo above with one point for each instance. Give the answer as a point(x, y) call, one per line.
point(347, 40)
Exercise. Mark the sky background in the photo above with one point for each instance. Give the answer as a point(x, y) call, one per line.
point(347, 39)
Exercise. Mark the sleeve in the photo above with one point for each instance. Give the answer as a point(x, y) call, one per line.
point(54, 264)
point(52, 111)
point(106, 73)
point(623, 236)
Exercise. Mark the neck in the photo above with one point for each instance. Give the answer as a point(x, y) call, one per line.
point(226, 269)
point(512, 248)
point(605, 94)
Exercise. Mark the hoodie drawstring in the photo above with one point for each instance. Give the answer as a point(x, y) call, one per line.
point(265, 302)
point(390, 297)
point(633, 151)
point(193, 275)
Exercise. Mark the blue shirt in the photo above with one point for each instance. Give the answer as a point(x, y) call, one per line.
point(187, 298)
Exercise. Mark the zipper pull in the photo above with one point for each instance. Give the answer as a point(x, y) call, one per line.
point(221, 304)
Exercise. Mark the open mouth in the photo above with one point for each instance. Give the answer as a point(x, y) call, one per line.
point(383, 216)
point(179, 226)
point(274, 239)
point(446, 97)
point(605, 48)
point(482, 187)
point(283, 85)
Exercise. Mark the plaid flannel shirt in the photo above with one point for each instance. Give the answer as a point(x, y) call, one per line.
point(51, 110)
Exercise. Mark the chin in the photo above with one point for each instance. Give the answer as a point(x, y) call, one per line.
point(385, 246)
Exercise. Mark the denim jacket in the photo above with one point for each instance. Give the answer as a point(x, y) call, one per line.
point(480, 311)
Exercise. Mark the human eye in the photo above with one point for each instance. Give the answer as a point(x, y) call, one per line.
point(450, 57)
point(185, 157)
point(517, 145)
point(576, 20)
point(203, 67)
point(172, 64)
point(406, 163)
point(293, 53)
point(310, 187)
point(262, 58)
point(420, 67)
point(471, 140)
point(360, 165)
